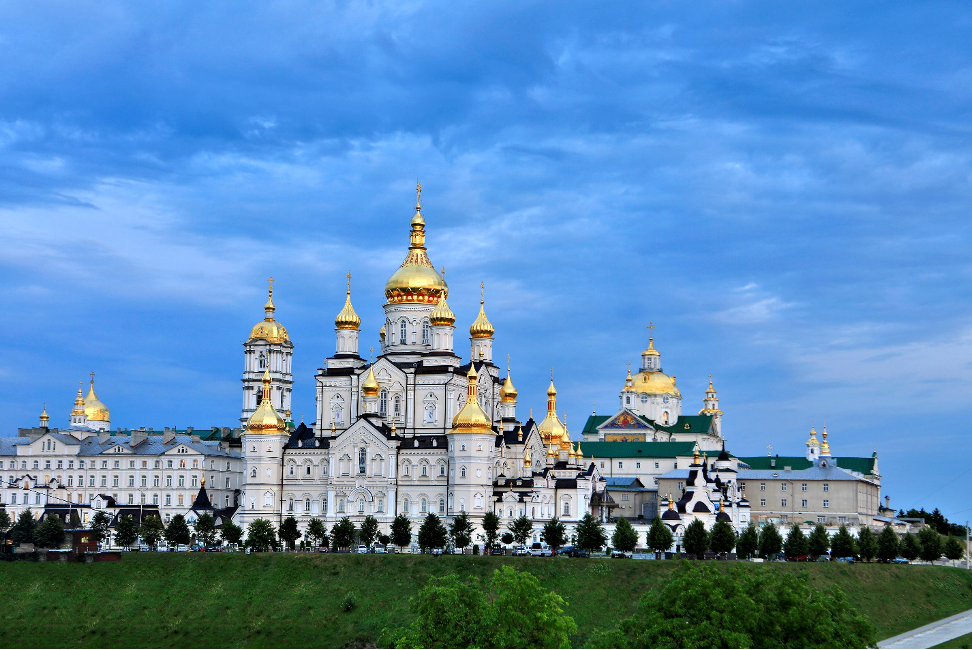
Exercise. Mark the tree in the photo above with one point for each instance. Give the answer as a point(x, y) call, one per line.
point(99, 526)
point(384, 539)
point(369, 531)
point(50, 533)
point(289, 532)
point(401, 531)
point(205, 529)
point(432, 534)
point(590, 533)
point(909, 547)
point(660, 536)
point(929, 544)
point(703, 606)
point(151, 530)
point(954, 549)
point(866, 544)
point(4, 520)
point(260, 535)
point(512, 611)
point(819, 541)
point(722, 539)
point(460, 530)
point(554, 533)
point(317, 531)
point(887, 544)
point(491, 524)
point(770, 541)
point(126, 532)
point(748, 542)
point(343, 533)
point(507, 538)
point(796, 542)
point(177, 532)
point(521, 528)
point(625, 538)
point(23, 531)
point(75, 520)
point(696, 538)
point(843, 544)
point(231, 533)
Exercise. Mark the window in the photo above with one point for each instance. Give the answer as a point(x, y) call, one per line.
point(405, 506)
point(60, 464)
point(784, 519)
point(742, 486)
point(324, 506)
point(114, 481)
point(826, 503)
point(181, 499)
point(841, 520)
point(566, 507)
point(803, 503)
point(307, 470)
point(104, 481)
point(441, 506)
point(70, 481)
point(263, 361)
point(116, 465)
point(168, 499)
point(131, 481)
point(644, 398)
point(441, 470)
point(398, 406)
point(680, 485)
point(158, 464)
point(131, 499)
point(762, 502)
point(782, 503)
point(168, 464)
point(227, 466)
point(144, 481)
point(383, 403)
point(637, 465)
point(803, 487)
point(424, 470)
point(381, 505)
point(131, 464)
point(253, 472)
point(821, 519)
point(362, 460)
point(182, 481)
point(619, 464)
point(168, 481)
point(360, 505)
point(826, 487)
point(402, 332)
point(462, 472)
point(405, 469)
point(227, 482)
point(47, 464)
point(625, 496)
point(656, 465)
point(155, 499)
point(783, 487)
point(762, 487)
point(340, 505)
point(424, 505)
point(425, 333)
point(91, 481)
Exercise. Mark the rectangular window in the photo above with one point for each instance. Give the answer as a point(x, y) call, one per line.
point(168, 481)
point(625, 496)
point(679, 485)
point(131, 481)
point(131, 464)
point(566, 507)
point(826, 503)
point(144, 481)
point(60, 464)
point(762, 487)
point(70, 481)
point(104, 481)
point(381, 505)
point(619, 464)
point(104, 464)
point(13, 498)
point(821, 519)
point(783, 487)
point(656, 465)
point(144, 464)
point(782, 503)
point(114, 481)
point(131, 499)
point(742, 486)
point(117, 465)
point(47, 464)
point(803, 487)
point(182, 481)
point(841, 520)
point(826, 487)
point(168, 499)
point(784, 519)
point(195, 480)
point(70, 464)
point(227, 482)
point(762, 502)
point(91, 481)
point(155, 481)
point(803, 503)
point(637, 465)
point(180, 499)
point(155, 499)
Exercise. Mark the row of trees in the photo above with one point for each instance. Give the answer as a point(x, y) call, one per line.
point(936, 520)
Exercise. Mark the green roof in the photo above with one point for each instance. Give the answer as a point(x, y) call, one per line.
point(594, 421)
point(863, 466)
point(696, 423)
point(637, 449)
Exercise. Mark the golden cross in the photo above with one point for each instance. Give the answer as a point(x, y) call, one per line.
point(594, 410)
point(482, 287)
point(92, 376)
point(418, 195)
point(270, 282)
point(507, 363)
point(371, 354)
point(551, 373)
point(349, 282)
point(651, 328)
point(629, 367)
point(769, 450)
point(443, 271)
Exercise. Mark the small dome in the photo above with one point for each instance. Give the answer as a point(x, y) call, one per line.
point(370, 387)
point(650, 351)
point(551, 429)
point(347, 319)
point(78, 402)
point(265, 418)
point(269, 329)
point(652, 382)
point(508, 391)
point(442, 316)
point(382, 333)
point(481, 327)
point(471, 418)
point(44, 417)
point(93, 408)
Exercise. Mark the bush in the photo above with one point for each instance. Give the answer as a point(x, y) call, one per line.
point(929, 544)
point(348, 604)
point(475, 549)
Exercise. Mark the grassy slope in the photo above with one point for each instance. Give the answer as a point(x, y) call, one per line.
point(284, 600)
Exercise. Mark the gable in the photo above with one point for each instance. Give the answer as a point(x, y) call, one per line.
point(624, 420)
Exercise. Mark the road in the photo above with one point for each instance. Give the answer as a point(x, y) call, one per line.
point(932, 634)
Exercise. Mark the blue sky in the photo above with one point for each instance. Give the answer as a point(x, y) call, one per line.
point(782, 188)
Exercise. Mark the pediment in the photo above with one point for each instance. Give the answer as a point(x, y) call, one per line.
point(625, 420)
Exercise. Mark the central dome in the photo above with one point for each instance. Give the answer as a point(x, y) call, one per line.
point(93, 407)
point(653, 383)
point(416, 280)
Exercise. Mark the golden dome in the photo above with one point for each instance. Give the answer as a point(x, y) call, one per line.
point(266, 419)
point(347, 319)
point(565, 442)
point(269, 329)
point(652, 382)
point(370, 387)
point(382, 333)
point(416, 280)
point(580, 454)
point(551, 429)
point(471, 418)
point(44, 417)
point(481, 327)
point(78, 402)
point(93, 408)
point(650, 350)
point(813, 442)
point(551, 452)
point(508, 391)
point(825, 446)
point(442, 315)
point(526, 459)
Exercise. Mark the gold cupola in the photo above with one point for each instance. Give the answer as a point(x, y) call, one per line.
point(442, 316)
point(527, 462)
point(565, 443)
point(265, 418)
point(269, 329)
point(508, 391)
point(370, 387)
point(45, 419)
point(382, 333)
point(825, 446)
point(471, 418)
point(347, 319)
point(481, 327)
point(812, 441)
point(78, 402)
point(93, 408)
point(650, 351)
point(416, 280)
point(551, 429)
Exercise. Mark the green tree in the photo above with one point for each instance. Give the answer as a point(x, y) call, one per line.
point(554, 533)
point(796, 542)
point(401, 531)
point(151, 530)
point(660, 537)
point(50, 533)
point(954, 549)
point(704, 606)
point(317, 531)
point(231, 533)
point(909, 549)
point(491, 524)
point(432, 534)
point(260, 535)
point(177, 532)
point(369, 531)
point(929, 544)
point(289, 532)
point(696, 538)
point(512, 611)
point(819, 541)
point(770, 541)
point(75, 520)
point(866, 544)
point(343, 533)
point(748, 542)
point(205, 529)
point(4, 520)
point(590, 533)
point(23, 531)
point(521, 528)
point(126, 532)
point(625, 537)
point(722, 539)
point(843, 544)
point(887, 544)
point(460, 530)
point(507, 538)
point(99, 526)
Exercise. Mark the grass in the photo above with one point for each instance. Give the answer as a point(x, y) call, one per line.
point(964, 641)
point(299, 600)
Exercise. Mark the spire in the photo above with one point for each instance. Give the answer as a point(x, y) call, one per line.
point(78, 402)
point(370, 387)
point(471, 418)
point(825, 447)
point(44, 418)
point(269, 307)
point(551, 429)
point(508, 391)
point(347, 319)
point(418, 221)
point(481, 327)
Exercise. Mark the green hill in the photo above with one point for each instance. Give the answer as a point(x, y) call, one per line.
point(295, 600)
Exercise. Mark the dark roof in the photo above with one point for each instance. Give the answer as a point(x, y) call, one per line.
point(138, 513)
point(670, 515)
point(684, 424)
point(425, 441)
point(202, 500)
point(700, 507)
point(863, 466)
point(638, 449)
point(566, 483)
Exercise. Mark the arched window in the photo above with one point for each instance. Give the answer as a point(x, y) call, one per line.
point(462, 448)
point(441, 470)
point(425, 332)
point(425, 505)
point(429, 413)
point(441, 506)
point(253, 473)
point(398, 406)
point(665, 417)
point(424, 470)
point(360, 505)
point(403, 332)
point(405, 506)
point(383, 403)
point(267, 499)
point(644, 398)
point(462, 472)
point(263, 361)
point(566, 507)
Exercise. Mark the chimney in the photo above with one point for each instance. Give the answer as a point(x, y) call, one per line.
point(168, 437)
point(104, 437)
point(138, 437)
point(887, 502)
point(194, 438)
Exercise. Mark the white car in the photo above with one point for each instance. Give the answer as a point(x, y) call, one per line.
point(380, 549)
point(362, 549)
point(540, 549)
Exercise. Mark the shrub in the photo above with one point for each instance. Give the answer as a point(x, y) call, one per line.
point(348, 604)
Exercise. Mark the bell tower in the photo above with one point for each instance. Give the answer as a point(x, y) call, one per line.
point(267, 350)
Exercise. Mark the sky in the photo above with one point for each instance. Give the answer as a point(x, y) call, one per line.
point(783, 189)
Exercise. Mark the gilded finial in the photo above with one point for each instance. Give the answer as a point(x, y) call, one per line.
point(349, 286)
point(482, 294)
point(347, 318)
point(594, 409)
point(507, 363)
point(418, 196)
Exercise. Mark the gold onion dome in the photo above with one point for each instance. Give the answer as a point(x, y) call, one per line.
point(526, 459)
point(471, 418)
point(347, 319)
point(508, 391)
point(812, 442)
point(78, 402)
point(825, 446)
point(481, 327)
point(650, 350)
point(93, 408)
point(416, 280)
point(269, 329)
point(551, 429)
point(652, 382)
point(44, 417)
point(442, 315)
point(382, 333)
point(266, 418)
point(369, 387)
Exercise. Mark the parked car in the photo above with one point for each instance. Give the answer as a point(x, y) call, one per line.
point(380, 548)
point(437, 551)
point(182, 548)
point(540, 549)
point(322, 549)
point(520, 550)
point(900, 560)
point(574, 551)
point(621, 554)
point(847, 560)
